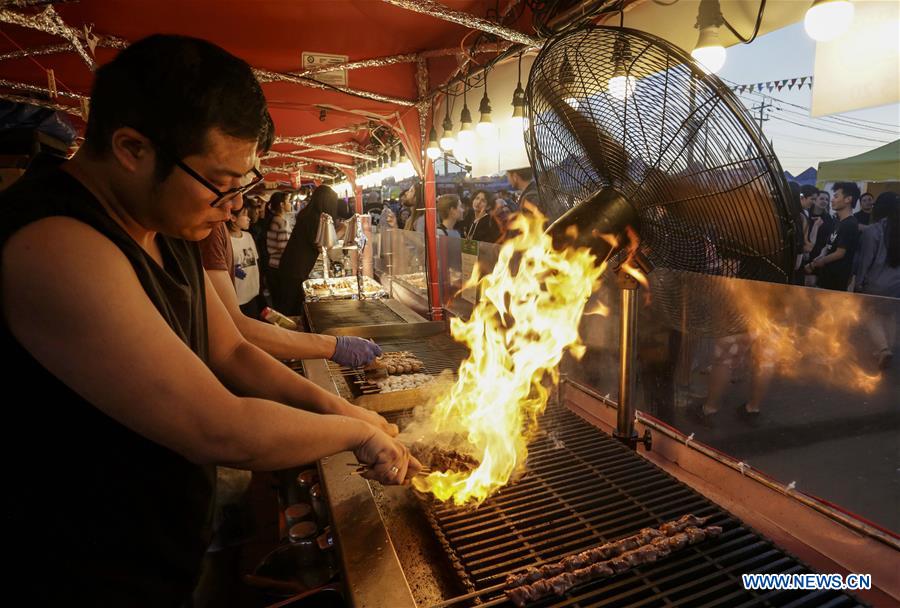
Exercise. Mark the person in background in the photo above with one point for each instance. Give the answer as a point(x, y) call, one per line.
point(246, 263)
point(410, 201)
point(218, 255)
point(523, 180)
point(484, 226)
point(449, 211)
point(807, 199)
point(301, 253)
point(501, 214)
point(277, 235)
point(864, 215)
point(879, 273)
point(388, 219)
point(403, 218)
point(259, 225)
point(835, 263)
point(154, 391)
point(823, 229)
point(468, 216)
point(503, 197)
point(803, 218)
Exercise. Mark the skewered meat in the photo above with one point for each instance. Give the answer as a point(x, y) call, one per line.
point(400, 362)
point(403, 382)
point(440, 459)
point(604, 552)
point(659, 547)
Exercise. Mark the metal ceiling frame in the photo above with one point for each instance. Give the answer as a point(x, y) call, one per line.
point(49, 21)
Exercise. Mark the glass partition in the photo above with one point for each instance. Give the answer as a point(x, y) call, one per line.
point(709, 348)
point(712, 352)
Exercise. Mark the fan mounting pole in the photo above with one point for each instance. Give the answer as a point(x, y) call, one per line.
point(625, 431)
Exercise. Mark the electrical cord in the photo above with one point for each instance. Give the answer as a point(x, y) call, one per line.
point(759, 18)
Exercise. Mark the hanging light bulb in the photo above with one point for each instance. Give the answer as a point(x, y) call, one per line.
point(486, 128)
point(621, 85)
point(708, 51)
point(433, 151)
point(447, 139)
point(828, 19)
point(390, 165)
point(404, 165)
point(519, 121)
point(465, 122)
point(384, 171)
point(465, 139)
point(567, 82)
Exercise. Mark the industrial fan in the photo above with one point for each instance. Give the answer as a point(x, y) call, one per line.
point(631, 139)
point(627, 130)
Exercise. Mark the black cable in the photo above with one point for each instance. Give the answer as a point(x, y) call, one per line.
point(759, 18)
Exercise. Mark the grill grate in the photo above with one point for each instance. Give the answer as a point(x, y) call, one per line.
point(349, 313)
point(437, 353)
point(583, 488)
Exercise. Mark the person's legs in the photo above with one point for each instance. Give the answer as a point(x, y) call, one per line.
point(728, 353)
point(763, 370)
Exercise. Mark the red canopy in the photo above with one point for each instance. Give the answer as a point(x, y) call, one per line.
point(271, 36)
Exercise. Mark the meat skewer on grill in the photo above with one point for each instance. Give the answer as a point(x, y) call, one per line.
point(605, 552)
point(392, 363)
point(659, 547)
point(441, 459)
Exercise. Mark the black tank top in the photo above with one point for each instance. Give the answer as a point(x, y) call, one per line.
point(97, 514)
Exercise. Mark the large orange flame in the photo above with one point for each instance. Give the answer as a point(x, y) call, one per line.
point(527, 316)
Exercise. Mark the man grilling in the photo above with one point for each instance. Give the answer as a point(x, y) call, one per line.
point(138, 380)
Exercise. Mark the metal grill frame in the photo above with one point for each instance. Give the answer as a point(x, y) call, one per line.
point(633, 493)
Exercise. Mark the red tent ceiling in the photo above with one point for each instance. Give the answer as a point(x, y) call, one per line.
point(271, 35)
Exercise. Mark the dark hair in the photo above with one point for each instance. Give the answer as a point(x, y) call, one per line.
point(416, 210)
point(276, 201)
point(489, 200)
point(866, 194)
point(524, 172)
point(230, 222)
point(887, 206)
point(322, 200)
point(848, 188)
point(808, 190)
point(173, 90)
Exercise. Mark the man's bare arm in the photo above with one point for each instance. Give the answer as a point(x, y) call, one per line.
point(279, 342)
point(100, 334)
point(251, 372)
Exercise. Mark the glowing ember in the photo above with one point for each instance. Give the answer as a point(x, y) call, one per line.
point(527, 317)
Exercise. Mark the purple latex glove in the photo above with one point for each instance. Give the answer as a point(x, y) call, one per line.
point(354, 352)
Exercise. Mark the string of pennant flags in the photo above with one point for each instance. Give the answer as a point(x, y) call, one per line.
point(774, 85)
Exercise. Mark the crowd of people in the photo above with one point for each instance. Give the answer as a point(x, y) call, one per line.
point(480, 215)
point(851, 240)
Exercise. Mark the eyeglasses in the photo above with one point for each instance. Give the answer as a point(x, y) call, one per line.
point(221, 197)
